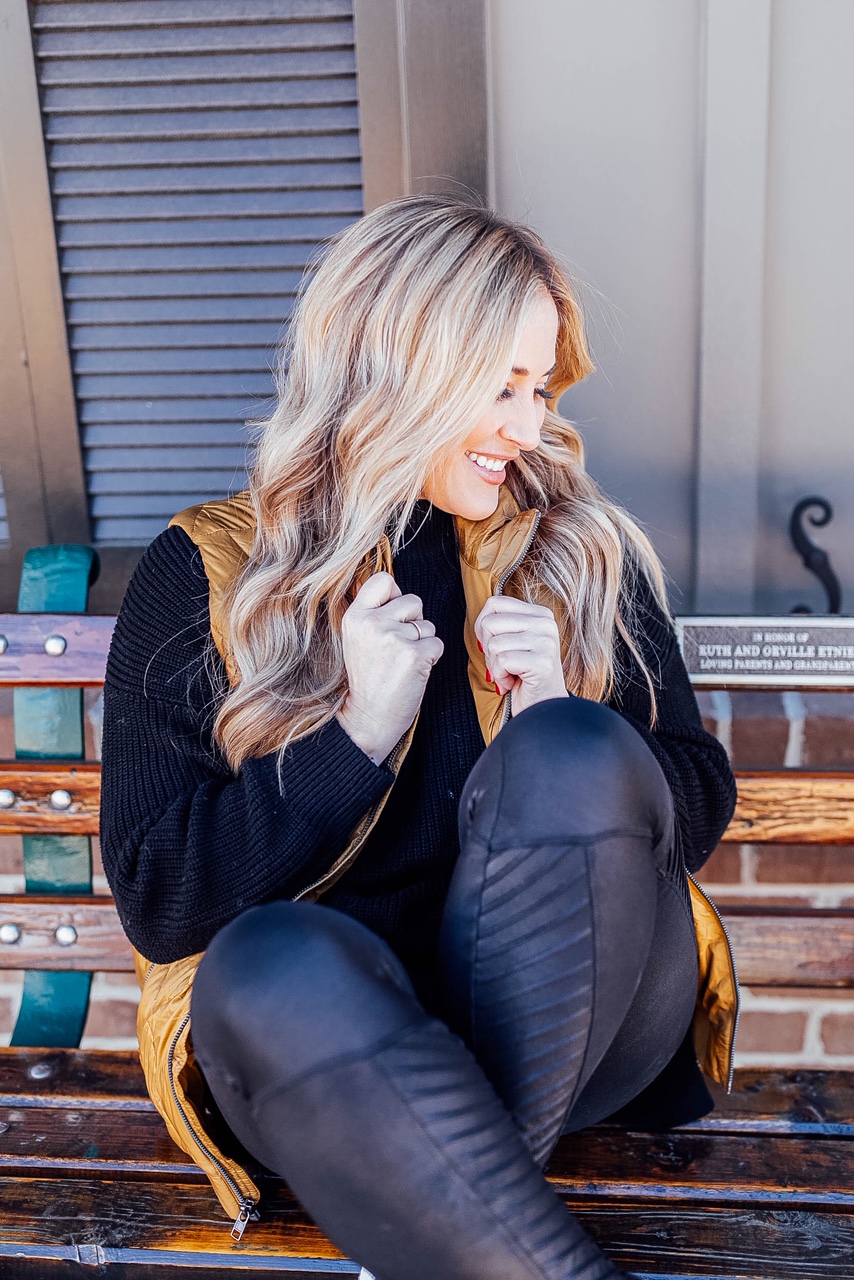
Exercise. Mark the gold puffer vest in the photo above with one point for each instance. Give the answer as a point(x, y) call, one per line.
point(490, 550)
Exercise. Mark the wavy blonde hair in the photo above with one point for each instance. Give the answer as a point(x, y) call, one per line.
point(404, 334)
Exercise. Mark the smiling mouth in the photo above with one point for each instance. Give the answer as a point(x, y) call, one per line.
point(488, 466)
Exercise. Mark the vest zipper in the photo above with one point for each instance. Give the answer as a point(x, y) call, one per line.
point(248, 1208)
point(505, 714)
point(731, 1064)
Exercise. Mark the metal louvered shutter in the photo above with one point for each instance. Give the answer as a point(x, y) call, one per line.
point(198, 154)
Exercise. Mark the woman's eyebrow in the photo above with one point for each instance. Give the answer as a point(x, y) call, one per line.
point(526, 373)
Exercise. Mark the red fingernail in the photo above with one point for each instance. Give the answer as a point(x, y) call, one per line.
point(497, 690)
point(480, 646)
point(489, 675)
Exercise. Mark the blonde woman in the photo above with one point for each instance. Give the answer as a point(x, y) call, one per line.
point(403, 773)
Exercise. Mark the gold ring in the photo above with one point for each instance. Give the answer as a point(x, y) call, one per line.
point(413, 623)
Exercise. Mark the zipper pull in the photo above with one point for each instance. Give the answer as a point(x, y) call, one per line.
point(247, 1213)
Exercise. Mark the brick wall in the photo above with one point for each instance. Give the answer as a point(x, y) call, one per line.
point(781, 1027)
point(760, 730)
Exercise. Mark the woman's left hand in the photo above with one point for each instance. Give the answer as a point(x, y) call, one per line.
point(521, 645)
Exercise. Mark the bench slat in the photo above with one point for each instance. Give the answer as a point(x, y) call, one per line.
point(705, 1239)
point(33, 784)
point(90, 1078)
point(770, 1101)
point(793, 808)
point(726, 1168)
point(785, 947)
point(83, 662)
point(100, 942)
point(729, 1168)
point(774, 946)
point(138, 1222)
point(130, 1214)
point(72, 1142)
point(73, 1078)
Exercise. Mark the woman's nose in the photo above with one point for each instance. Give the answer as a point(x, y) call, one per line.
point(524, 427)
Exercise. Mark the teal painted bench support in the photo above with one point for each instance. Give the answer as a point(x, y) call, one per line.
point(49, 726)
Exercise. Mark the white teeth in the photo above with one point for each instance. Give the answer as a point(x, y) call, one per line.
point(489, 464)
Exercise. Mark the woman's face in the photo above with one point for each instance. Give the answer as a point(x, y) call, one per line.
point(467, 484)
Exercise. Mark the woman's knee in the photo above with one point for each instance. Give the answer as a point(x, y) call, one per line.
point(287, 985)
point(566, 758)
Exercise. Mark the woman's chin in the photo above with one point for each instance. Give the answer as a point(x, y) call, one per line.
point(471, 505)
point(473, 499)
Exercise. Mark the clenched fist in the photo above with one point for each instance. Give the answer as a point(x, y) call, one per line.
point(388, 664)
point(521, 644)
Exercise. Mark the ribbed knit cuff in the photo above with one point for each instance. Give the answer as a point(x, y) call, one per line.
point(327, 781)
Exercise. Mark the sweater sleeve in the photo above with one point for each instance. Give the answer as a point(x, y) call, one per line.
point(186, 843)
point(694, 763)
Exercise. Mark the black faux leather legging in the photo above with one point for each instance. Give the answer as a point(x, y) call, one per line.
point(566, 980)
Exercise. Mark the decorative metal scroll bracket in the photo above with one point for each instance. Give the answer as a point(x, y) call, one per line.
point(815, 558)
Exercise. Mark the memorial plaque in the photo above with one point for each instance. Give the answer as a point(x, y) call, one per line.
point(798, 651)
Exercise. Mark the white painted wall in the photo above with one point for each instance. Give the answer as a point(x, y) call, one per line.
point(600, 121)
point(596, 144)
point(808, 418)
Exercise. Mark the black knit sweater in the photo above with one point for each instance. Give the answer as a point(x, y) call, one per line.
point(187, 845)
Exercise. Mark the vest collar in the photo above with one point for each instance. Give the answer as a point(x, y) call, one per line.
point(495, 545)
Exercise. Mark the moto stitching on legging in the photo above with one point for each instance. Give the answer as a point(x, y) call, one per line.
point(580, 1073)
point(502, 1225)
point(477, 965)
point(528, 910)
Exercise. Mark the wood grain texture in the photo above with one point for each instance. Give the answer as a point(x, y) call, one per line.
point(793, 807)
point(724, 1168)
point(717, 1168)
point(773, 947)
point(135, 1222)
point(33, 784)
point(778, 1101)
point(83, 663)
point(783, 947)
point(733, 1241)
point(100, 945)
point(93, 1078)
point(74, 1142)
point(784, 808)
point(73, 1078)
point(77, 1176)
point(130, 1214)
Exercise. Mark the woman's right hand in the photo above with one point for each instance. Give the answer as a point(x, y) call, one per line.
point(387, 665)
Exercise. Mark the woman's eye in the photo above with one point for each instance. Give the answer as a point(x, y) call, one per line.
point(542, 392)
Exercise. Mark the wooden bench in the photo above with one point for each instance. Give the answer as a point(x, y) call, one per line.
point(89, 1177)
